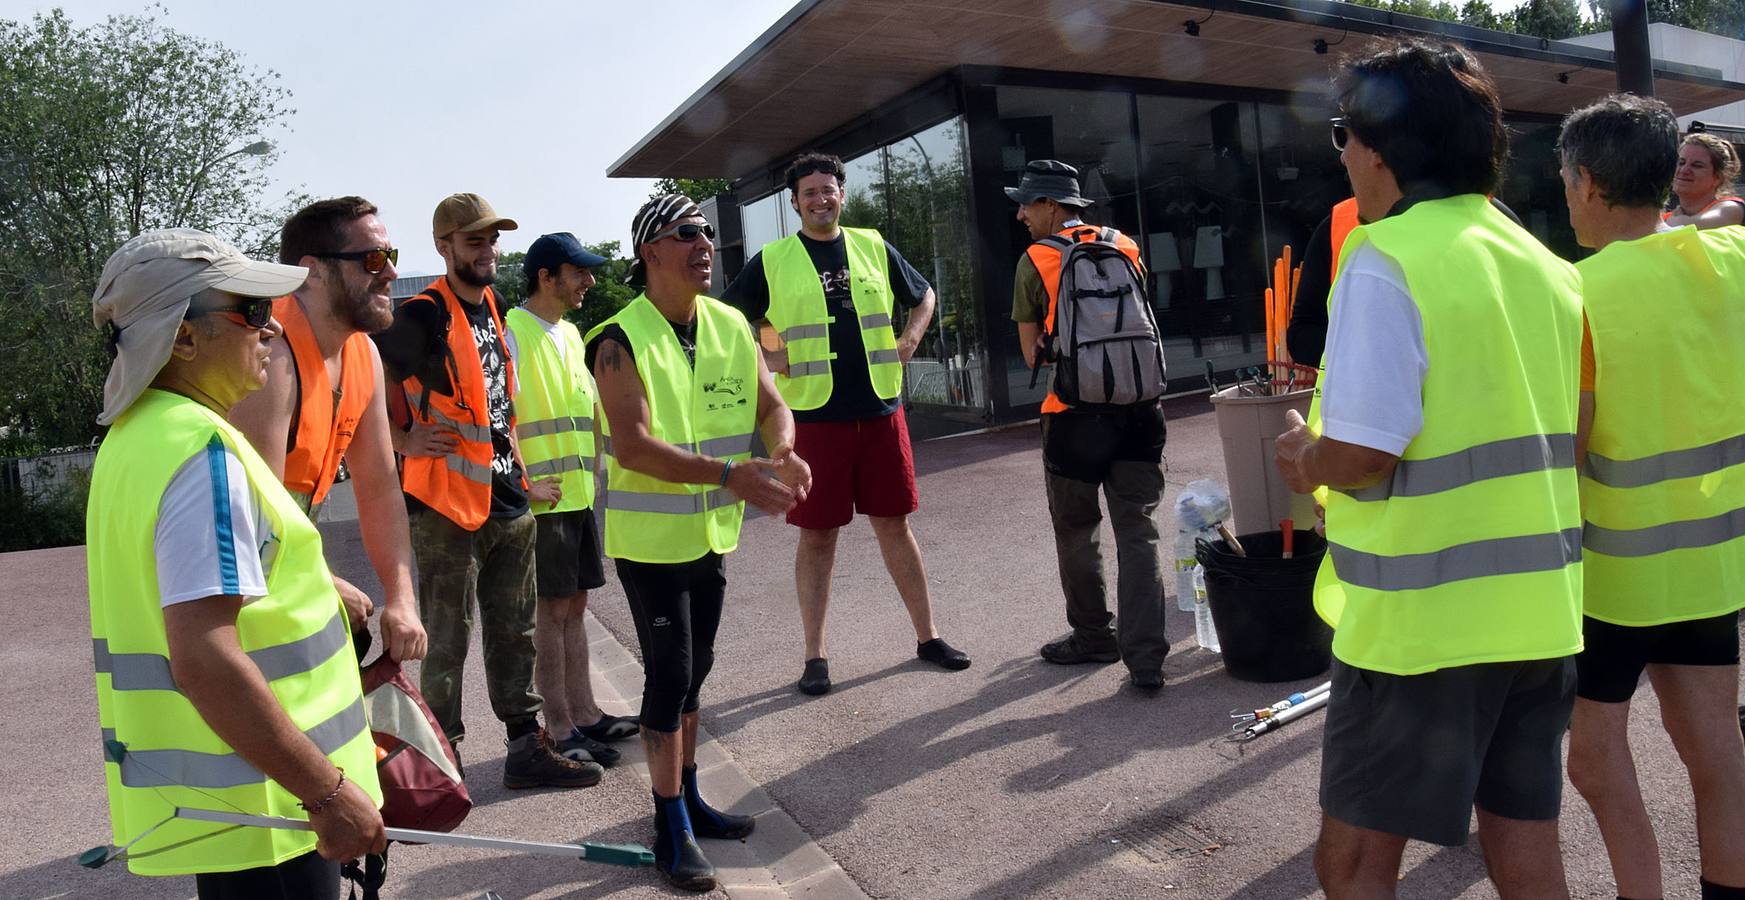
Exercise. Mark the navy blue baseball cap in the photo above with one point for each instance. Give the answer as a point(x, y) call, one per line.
point(552, 250)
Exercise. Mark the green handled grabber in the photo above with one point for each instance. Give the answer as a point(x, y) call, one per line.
point(630, 855)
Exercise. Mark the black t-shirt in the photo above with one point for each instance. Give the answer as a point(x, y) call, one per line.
point(686, 332)
point(851, 394)
point(412, 346)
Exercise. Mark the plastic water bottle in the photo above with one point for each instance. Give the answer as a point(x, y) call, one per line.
point(1204, 633)
point(1186, 564)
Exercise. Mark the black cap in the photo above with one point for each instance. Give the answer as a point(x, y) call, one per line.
point(552, 250)
point(1049, 178)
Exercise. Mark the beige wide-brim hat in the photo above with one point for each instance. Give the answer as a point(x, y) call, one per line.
point(144, 291)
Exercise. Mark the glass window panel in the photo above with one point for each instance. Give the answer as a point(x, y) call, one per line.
point(864, 183)
point(1089, 130)
point(927, 194)
point(764, 221)
point(1533, 188)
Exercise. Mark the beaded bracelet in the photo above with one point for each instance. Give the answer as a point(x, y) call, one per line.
point(726, 467)
point(319, 805)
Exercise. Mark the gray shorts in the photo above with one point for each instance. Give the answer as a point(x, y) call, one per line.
point(1411, 755)
point(567, 554)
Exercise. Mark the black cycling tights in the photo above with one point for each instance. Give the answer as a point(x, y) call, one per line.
point(677, 608)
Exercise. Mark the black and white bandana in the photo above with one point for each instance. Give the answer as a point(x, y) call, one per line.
point(651, 219)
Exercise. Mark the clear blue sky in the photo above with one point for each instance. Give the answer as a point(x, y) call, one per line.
point(524, 102)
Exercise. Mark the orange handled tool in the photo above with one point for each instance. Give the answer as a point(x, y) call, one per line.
point(1289, 529)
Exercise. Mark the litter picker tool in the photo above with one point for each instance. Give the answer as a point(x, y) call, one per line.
point(1274, 716)
point(630, 855)
point(1288, 532)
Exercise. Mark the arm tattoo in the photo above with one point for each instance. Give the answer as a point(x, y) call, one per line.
point(613, 357)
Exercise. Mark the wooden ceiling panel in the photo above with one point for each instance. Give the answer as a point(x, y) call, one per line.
point(843, 58)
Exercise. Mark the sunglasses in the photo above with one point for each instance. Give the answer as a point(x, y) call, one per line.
point(1340, 133)
point(255, 313)
point(686, 233)
point(374, 259)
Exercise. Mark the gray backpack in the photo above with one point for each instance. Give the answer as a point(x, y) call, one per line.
point(1105, 342)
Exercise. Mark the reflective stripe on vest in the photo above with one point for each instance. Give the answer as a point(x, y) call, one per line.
point(457, 485)
point(151, 671)
point(211, 771)
point(1047, 259)
point(1663, 484)
point(159, 752)
point(555, 403)
point(707, 407)
point(798, 312)
point(1497, 459)
point(1471, 552)
point(321, 431)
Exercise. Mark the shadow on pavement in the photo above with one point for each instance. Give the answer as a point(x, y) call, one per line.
point(65, 878)
point(726, 717)
point(1093, 736)
point(1064, 865)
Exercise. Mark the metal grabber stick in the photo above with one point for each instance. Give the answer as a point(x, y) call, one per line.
point(630, 855)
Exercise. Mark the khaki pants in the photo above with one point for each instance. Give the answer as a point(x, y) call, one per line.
point(493, 569)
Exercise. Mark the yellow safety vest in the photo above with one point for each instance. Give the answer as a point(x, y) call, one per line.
point(1471, 552)
point(159, 754)
point(1663, 484)
point(798, 313)
point(708, 408)
point(554, 410)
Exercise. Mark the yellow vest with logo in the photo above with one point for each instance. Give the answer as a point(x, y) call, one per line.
point(554, 410)
point(799, 314)
point(1663, 484)
point(159, 753)
point(709, 408)
point(1471, 552)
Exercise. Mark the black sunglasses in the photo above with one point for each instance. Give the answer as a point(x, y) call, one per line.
point(1339, 133)
point(686, 233)
point(374, 259)
point(255, 312)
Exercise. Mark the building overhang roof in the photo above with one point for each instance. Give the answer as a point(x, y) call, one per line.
point(827, 63)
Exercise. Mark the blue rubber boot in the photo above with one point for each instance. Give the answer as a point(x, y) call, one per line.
point(708, 822)
point(676, 854)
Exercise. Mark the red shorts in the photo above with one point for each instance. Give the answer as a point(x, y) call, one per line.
point(860, 465)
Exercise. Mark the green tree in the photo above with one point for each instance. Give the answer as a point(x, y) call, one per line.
point(1551, 19)
point(511, 286)
point(1479, 14)
point(698, 189)
point(107, 131)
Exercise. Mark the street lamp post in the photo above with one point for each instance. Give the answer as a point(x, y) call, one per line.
point(258, 148)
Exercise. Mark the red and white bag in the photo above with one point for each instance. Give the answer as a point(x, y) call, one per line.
point(421, 780)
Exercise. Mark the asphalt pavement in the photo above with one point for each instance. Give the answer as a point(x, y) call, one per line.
point(1014, 778)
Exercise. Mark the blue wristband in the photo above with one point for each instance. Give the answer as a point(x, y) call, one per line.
point(726, 467)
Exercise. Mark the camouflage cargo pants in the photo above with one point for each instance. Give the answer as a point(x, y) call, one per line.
point(492, 569)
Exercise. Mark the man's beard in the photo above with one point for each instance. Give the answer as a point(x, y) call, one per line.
point(468, 275)
point(359, 313)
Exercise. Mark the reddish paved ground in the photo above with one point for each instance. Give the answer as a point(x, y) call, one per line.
point(1012, 779)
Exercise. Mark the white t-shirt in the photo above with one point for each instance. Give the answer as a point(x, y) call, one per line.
point(1375, 356)
point(213, 538)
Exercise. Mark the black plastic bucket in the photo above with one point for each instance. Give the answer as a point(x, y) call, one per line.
point(1263, 606)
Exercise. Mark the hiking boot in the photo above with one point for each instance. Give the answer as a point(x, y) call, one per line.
point(582, 748)
point(943, 655)
point(677, 857)
point(1068, 652)
point(707, 821)
point(816, 679)
point(533, 761)
point(612, 729)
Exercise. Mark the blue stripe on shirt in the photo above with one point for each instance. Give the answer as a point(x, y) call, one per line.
point(215, 462)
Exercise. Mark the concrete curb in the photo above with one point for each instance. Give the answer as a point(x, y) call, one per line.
point(779, 859)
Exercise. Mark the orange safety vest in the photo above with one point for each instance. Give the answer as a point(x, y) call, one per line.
point(457, 485)
point(322, 430)
point(1344, 219)
point(1711, 205)
point(1047, 260)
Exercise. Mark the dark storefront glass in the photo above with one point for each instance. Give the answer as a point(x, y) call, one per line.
point(915, 192)
point(1090, 130)
point(1533, 188)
